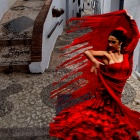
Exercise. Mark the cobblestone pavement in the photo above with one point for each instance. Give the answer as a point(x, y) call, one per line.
point(25, 107)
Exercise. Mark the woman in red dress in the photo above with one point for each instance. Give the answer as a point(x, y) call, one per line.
point(103, 117)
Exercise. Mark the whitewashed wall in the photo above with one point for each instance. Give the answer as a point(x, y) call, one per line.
point(86, 7)
point(114, 5)
point(102, 6)
point(73, 6)
point(48, 43)
point(133, 8)
point(82, 2)
point(5, 5)
point(109, 6)
point(105, 6)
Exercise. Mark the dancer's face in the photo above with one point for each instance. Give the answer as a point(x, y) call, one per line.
point(113, 43)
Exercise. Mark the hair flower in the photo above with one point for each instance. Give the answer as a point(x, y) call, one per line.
point(122, 29)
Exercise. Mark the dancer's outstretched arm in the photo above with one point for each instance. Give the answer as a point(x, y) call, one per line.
point(96, 64)
point(135, 34)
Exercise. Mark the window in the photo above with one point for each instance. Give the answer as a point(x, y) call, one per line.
point(73, 0)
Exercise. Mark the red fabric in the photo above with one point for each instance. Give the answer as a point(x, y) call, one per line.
point(113, 84)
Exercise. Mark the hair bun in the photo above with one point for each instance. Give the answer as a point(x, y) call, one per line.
point(122, 29)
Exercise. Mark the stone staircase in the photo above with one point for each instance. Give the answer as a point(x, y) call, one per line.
point(16, 28)
point(16, 57)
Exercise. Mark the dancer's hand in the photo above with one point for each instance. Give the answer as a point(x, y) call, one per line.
point(130, 17)
point(95, 66)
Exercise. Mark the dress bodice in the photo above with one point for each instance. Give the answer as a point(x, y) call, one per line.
point(119, 69)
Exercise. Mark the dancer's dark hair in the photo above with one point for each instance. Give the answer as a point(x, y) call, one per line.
point(119, 35)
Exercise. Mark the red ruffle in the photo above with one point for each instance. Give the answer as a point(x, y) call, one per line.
point(88, 122)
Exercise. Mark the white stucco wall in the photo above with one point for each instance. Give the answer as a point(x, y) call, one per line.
point(106, 6)
point(73, 6)
point(114, 5)
point(81, 5)
point(102, 6)
point(86, 7)
point(5, 5)
point(133, 8)
point(48, 43)
point(109, 6)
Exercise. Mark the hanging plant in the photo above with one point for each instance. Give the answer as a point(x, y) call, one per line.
point(62, 11)
point(57, 13)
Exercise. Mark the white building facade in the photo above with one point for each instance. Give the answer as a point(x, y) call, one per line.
point(5, 5)
point(111, 5)
point(93, 5)
point(71, 8)
point(88, 4)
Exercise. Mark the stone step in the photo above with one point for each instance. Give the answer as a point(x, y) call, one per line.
point(10, 54)
point(29, 133)
point(15, 68)
point(16, 31)
point(16, 57)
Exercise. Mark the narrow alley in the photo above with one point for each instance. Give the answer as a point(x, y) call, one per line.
point(25, 107)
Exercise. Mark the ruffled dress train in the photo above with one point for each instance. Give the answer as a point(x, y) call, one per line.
point(99, 118)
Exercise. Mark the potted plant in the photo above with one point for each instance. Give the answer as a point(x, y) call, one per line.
point(62, 11)
point(57, 13)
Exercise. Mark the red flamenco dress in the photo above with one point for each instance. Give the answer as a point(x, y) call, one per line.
point(103, 117)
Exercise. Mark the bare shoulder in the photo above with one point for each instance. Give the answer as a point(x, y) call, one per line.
point(107, 54)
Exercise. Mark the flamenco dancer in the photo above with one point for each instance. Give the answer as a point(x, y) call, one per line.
point(103, 117)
